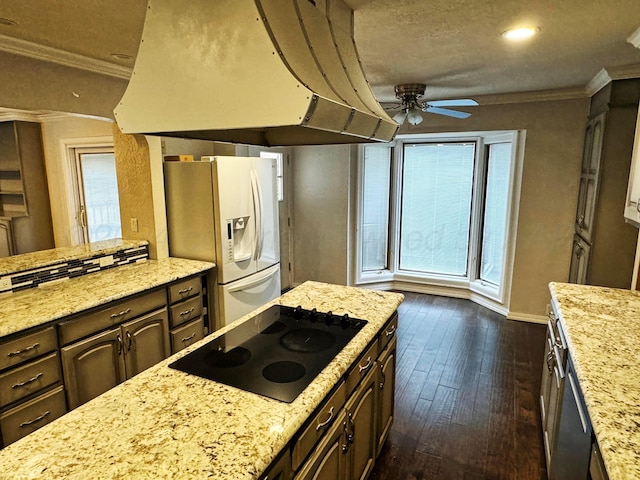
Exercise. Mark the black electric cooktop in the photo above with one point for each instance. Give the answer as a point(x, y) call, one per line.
point(276, 353)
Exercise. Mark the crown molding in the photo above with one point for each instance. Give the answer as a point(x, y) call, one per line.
point(41, 116)
point(634, 38)
point(609, 74)
point(33, 50)
point(534, 96)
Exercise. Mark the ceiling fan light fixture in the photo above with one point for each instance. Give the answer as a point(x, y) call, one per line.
point(400, 117)
point(522, 33)
point(414, 116)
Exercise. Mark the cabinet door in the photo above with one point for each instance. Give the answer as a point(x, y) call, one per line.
point(589, 177)
point(579, 269)
point(386, 386)
point(92, 366)
point(361, 428)
point(632, 207)
point(328, 461)
point(146, 341)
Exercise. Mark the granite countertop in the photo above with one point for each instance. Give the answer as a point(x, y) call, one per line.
point(164, 423)
point(602, 327)
point(37, 306)
point(42, 258)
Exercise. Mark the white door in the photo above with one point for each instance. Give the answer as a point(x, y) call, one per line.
point(245, 295)
point(98, 204)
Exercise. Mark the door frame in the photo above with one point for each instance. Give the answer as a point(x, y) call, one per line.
point(68, 147)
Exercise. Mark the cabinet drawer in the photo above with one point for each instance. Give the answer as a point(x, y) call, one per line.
point(362, 367)
point(388, 332)
point(113, 314)
point(27, 347)
point(186, 335)
point(184, 311)
point(185, 289)
point(318, 426)
point(32, 415)
point(21, 381)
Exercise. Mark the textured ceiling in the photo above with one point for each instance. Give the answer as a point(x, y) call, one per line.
point(454, 46)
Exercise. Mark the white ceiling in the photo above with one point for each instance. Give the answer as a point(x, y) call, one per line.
point(454, 46)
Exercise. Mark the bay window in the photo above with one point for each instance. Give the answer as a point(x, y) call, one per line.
point(440, 210)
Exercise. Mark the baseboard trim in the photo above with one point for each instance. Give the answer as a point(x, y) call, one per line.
point(527, 317)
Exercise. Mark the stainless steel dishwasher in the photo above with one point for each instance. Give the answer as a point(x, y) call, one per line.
point(572, 449)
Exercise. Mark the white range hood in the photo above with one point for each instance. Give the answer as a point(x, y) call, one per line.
point(258, 72)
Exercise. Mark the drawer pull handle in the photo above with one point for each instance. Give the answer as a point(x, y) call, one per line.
point(390, 332)
point(187, 312)
point(24, 350)
point(327, 421)
point(120, 314)
point(27, 382)
point(185, 290)
point(37, 419)
point(362, 369)
point(186, 339)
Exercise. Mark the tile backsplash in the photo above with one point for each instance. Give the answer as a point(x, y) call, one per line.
point(63, 264)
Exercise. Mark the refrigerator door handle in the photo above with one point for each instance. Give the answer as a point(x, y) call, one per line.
point(257, 208)
point(253, 281)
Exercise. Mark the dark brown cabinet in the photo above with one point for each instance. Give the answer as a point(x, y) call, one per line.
point(604, 245)
point(348, 435)
point(31, 392)
point(82, 360)
point(118, 353)
point(24, 194)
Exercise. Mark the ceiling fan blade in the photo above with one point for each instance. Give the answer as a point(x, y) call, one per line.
point(460, 102)
point(446, 111)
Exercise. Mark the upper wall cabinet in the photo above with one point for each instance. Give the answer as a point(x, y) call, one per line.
point(604, 244)
point(25, 212)
point(632, 207)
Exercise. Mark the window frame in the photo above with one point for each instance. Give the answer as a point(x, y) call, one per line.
point(495, 297)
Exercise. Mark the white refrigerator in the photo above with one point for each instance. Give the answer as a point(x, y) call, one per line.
point(225, 210)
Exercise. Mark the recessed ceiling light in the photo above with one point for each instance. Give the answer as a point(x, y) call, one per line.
point(520, 33)
point(121, 56)
point(7, 22)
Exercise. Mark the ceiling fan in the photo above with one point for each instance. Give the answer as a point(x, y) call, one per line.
point(411, 107)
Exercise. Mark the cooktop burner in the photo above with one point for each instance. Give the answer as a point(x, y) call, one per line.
point(276, 353)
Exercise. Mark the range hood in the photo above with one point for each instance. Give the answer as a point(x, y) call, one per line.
point(257, 72)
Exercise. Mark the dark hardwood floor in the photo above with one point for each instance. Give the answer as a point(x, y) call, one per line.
point(467, 386)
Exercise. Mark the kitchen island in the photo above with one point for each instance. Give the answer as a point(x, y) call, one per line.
point(38, 306)
point(164, 423)
point(602, 329)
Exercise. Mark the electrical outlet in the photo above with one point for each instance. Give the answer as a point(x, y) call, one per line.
point(5, 283)
point(106, 261)
point(134, 224)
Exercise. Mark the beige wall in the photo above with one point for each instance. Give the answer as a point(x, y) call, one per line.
point(54, 133)
point(320, 212)
point(551, 169)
